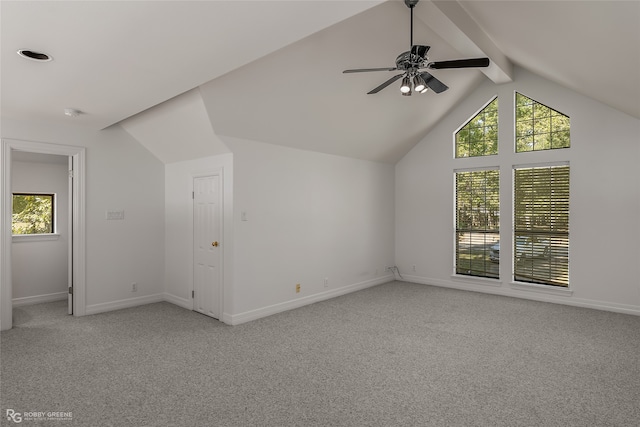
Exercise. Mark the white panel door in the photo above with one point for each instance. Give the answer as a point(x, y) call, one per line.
point(207, 245)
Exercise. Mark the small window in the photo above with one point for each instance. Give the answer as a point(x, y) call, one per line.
point(477, 223)
point(539, 127)
point(32, 214)
point(479, 136)
point(541, 225)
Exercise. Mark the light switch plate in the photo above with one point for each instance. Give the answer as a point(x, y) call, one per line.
point(114, 215)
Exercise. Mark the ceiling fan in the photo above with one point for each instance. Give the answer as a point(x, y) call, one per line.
point(414, 62)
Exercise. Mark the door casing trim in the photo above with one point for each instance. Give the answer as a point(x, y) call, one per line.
point(79, 226)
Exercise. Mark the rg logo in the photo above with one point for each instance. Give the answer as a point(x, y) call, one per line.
point(14, 416)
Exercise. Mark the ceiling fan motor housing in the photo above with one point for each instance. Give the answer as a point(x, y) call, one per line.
point(408, 60)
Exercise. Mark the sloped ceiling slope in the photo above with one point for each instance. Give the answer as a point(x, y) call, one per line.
point(114, 59)
point(271, 71)
point(176, 130)
point(299, 97)
point(591, 47)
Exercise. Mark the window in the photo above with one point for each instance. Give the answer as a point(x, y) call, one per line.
point(477, 221)
point(541, 225)
point(479, 136)
point(32, 213)
point(540, 237)
point(539, 127)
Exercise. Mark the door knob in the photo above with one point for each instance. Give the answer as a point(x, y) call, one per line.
point(214, 244)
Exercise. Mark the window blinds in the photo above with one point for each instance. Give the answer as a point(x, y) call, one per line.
point(477, 222)
point(541, 225)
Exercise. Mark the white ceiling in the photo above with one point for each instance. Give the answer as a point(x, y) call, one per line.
point(592, 47)
point(113, 59)
point(271, 70)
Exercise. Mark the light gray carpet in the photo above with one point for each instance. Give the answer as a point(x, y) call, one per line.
point(394, 355)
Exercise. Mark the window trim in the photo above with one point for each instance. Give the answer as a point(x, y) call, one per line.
point(54, 214)
point(466, 122)
point(464, 277)
point(532, 286)
point(34, 237)
point(541, 288)
point(515, 126)
point(476, 280)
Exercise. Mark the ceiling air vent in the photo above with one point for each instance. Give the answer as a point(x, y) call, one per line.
point(36, 56)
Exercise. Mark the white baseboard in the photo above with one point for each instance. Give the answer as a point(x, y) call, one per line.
point(125, 303)
point(236, 319)
point(226, 318)
point(531, 294)
point(37, 299)
point(180, 302)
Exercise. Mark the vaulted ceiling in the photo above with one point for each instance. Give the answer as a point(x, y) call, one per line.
point(271, 71)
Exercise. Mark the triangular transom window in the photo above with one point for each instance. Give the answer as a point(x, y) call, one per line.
point(479, 136)
point(539, 127)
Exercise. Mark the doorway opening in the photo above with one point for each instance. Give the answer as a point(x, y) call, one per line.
point(74, 157)
point(41, 228)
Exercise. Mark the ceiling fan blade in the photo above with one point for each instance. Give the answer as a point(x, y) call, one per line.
point(460, 63)
point(434, 84)
point(366, 70)
point(420, 50)
point(385, 84)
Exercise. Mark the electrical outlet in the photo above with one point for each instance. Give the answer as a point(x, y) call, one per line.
point(413, 267)
point(134, 287)
point(298, 288)
point(387, 268)
point(326, 282)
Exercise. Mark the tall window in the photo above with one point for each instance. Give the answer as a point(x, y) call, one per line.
point(479, 136)
point(477, 222)
point(539, 127)
point(32, 213)
point(540, 239)
point(541, 225)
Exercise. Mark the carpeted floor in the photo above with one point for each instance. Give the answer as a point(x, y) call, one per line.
point(398, 354)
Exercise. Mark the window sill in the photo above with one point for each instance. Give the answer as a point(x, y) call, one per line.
point(545, 289)
point(34, 237)
point(476, 280)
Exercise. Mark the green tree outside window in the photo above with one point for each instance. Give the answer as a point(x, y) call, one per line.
point(32, 214)
point(477, 222)
point(479, 136)
point(539, 127)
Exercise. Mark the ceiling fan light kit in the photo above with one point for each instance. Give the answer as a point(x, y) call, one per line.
point(413, 63)
point(406, 85)
point(418, 83)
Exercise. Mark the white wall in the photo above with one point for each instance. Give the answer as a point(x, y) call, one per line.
point(604, 201)
point(40, 267)
point(310, 216)
point(120, 175)
point(179, 227)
